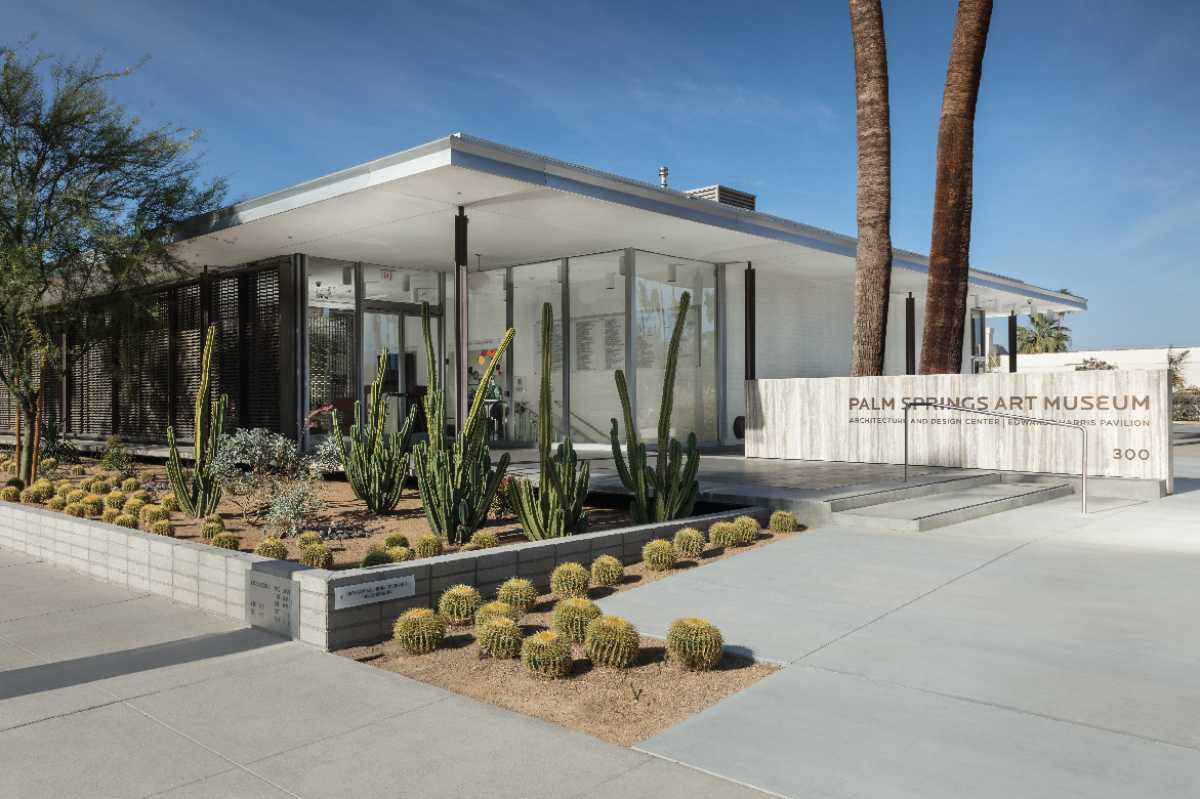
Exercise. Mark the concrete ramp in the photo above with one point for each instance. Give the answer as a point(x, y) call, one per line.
point(931, 505)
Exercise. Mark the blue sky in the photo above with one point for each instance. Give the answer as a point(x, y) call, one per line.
point(1087, 167)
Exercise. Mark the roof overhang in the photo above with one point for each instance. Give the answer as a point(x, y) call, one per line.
point(523, 207)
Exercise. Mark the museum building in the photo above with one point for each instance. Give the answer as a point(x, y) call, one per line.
point(307, 285)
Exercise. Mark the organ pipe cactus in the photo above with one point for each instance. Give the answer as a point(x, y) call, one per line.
point(553, 508)
point(667, 491)
point(196, 490)
point(457, 481)
point(376, 462)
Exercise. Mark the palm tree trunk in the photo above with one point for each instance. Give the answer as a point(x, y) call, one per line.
point(949, 250)
point(873, 258)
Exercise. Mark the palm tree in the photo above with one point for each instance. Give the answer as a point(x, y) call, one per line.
point(1046, 333)
point(950, 248)
point(873, 259)
point(1175, 363)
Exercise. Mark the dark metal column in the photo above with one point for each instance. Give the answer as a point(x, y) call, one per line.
point(750, 325)
point(293, 354)
point(910, 335)
point(173, 352)
point(461, 377)
point(1012, 341)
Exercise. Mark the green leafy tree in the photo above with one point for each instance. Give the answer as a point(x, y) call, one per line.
point(1045, 333)
point(87, 197)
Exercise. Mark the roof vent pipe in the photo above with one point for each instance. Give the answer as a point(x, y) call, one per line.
point(662, 177)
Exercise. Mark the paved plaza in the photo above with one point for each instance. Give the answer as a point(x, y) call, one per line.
point(1031, 653)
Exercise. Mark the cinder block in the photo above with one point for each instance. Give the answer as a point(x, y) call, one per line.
point(212, 574)
point(185, 596)
point(138, 582)
point(212, 590)
point(185, 582)
point(211, 604)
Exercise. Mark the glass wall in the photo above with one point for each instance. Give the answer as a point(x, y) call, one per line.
point(400, 285)
point(660, 284)
point(532, 286)
point(597, 296)
point(486, 323)
point(330, 332)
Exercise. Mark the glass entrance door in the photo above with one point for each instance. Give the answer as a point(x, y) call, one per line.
point(381, 334)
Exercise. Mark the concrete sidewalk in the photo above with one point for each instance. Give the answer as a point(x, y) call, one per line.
point(109, 693)
point(1034, 653)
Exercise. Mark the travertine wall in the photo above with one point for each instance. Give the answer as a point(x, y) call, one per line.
point(1126, 414)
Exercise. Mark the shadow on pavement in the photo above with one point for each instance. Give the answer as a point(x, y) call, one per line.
point(77, 671)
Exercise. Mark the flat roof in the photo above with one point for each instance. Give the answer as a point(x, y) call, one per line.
point(525, 207)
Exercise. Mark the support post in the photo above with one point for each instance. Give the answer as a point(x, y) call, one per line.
point(910, 335)
point(293, 348)
point(567, 353)
point(461, 378)
point(722, 357)
point(1012, 341)
point(506, 400)
point(629, 263)
point(750, 325)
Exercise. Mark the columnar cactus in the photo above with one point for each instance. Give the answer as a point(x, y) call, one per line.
point(689, 542)
point(783, 521)
point(457, 481)
point(569, 579)
point(518, 592)
point(612, 642)
point(500, 637)
point(554, 507)
point(458, 604)
point(695, 644)
point(607, 571)
point(547, 654)
point(659, 555)
point(419, 631)
point(572, 616)
point(196, 489)
point(667, 491)
point(376, 462)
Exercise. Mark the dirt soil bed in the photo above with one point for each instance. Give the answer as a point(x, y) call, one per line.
point(622, 706)
point(341, 507)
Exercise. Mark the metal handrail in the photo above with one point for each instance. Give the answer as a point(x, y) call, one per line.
point(944, 406)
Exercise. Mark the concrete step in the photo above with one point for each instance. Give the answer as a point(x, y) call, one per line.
point(944, 508)
point(925, 486)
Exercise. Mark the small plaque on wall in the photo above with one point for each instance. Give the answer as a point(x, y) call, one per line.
point(351, 596)
point(272, 603)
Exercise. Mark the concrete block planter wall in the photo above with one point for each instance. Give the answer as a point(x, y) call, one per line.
point(220, 580)
point(324, 625)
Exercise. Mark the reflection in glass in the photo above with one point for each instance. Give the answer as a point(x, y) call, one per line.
point(597, 294)
point(330, 344)
point(661, 282)
point(533, 285)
